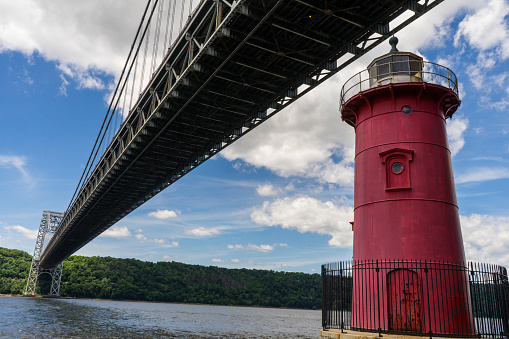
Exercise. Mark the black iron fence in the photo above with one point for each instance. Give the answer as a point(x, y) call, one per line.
point(417, 298)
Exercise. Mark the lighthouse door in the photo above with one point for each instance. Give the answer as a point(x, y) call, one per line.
point(404, 302)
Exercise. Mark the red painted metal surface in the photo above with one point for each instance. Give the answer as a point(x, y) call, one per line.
point(411, 214)
point(405, 200)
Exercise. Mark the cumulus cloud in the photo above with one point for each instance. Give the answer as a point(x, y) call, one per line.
point(203, 232)
point(266, 190)
point(89, 38)
point(486, 28)
point(487, 32)
point(163, 214)
point(307, 214)
point(30, 234)
point(482, 174)
point(456, 128)
point(117, 232)
point(486, 238)
point(160, 241)
point(140, 237)
point(217, 260)
point(235, 260)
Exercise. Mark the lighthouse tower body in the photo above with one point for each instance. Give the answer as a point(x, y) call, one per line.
point(405, 208)
point(405, 201)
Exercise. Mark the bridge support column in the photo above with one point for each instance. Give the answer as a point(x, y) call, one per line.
point(49, 224)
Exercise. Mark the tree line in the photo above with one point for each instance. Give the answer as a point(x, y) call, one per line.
point(131, 279)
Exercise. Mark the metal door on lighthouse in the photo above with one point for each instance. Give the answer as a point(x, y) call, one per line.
point(404, 301)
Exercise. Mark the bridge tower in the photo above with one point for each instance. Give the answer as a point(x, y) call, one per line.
point(405, 208)
point(49, 224)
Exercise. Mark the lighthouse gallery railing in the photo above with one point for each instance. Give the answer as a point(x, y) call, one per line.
point(408, 304)
point(395, 72)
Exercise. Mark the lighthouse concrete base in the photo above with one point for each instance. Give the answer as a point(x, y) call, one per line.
point(348, 334)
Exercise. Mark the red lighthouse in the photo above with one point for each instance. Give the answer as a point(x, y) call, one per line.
point(405, 201)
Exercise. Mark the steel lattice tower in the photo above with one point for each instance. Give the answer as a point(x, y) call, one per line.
point(50, 222)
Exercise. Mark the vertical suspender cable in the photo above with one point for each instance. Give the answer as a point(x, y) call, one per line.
point(172, 21)
point(142, 79)
point(167, 27)
point(134, 81)
point(181, 15)
point(157, 33)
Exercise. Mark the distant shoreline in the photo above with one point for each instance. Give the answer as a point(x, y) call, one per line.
point(155, 302)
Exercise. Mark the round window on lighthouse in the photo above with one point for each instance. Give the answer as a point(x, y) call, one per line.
point(397, 167)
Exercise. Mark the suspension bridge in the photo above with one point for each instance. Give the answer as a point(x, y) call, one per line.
point(182, 98)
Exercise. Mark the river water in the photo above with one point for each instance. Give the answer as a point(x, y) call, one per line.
point(72, 318)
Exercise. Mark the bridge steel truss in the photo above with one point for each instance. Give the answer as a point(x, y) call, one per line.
point(234, 65)
point(49, 224)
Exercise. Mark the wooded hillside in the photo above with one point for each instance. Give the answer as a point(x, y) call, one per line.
point(131, 279)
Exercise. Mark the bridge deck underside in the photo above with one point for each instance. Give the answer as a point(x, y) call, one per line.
point(262, 56)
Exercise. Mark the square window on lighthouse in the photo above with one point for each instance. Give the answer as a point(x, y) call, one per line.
point(396, 163)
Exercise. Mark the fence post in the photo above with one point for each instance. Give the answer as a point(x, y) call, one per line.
point(378, 297)
point(505, 300)
point(324, 297)
point(342, 297)
point(427, 293)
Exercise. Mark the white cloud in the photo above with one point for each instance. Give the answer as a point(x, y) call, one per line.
point(203, 232)
point(217, 260)
point(307, 214)
point(266, 190)
point(482, 174)
point(140, 237)
point(15, 161)
point(456, 128)
point(250, 247)
point(85, 78)
point(486, 238)
point(116, 232)
point(486, 28)
point(160, 241)
point(163, 214)
point(30, 234)
point(174, 243)
point(31, 26)
point(235, 260)
point(62, 90)
point(260, 248)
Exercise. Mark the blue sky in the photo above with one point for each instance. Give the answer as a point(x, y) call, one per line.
point(281, 197)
